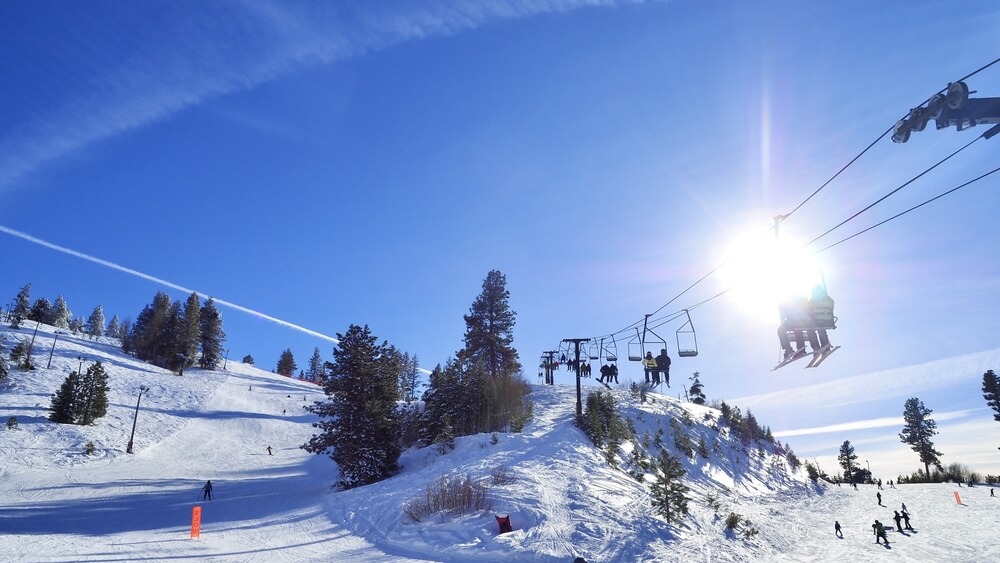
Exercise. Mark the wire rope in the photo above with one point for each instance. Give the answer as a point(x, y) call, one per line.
point(676, 314)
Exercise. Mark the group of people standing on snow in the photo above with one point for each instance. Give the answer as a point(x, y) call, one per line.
point(901, 518)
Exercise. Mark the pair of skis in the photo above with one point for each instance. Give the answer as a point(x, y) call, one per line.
point(818, 357)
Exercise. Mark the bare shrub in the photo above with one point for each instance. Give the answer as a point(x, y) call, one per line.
point(453, 497)
point(502, 475)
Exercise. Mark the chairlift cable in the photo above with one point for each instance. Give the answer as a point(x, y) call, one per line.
point(813, 194)
point(886, 196)
point(939, 196)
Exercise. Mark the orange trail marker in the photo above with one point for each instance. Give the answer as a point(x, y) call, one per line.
point(196, 522)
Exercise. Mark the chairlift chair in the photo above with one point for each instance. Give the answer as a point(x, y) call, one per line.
point(648, 335)
point(593, 350)
point(687, 339)
point(610, 351)
point(635, 347)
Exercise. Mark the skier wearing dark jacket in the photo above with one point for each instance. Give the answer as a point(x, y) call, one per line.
point(208, 491)
point(879, 530)
point(897, 518)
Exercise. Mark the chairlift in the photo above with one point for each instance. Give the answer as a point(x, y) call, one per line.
point(593, 350)
point(646, 332)
point(806, 319)
point(610, 351)
point(687, 339)
point(635, 347)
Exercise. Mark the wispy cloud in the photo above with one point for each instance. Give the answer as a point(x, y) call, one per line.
point(216, 50)
point(163, 282)
point(893, 421)
point(899, 382)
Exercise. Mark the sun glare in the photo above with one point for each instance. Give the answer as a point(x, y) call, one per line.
point(762, 271)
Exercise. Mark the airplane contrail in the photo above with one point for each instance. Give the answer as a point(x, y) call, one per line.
point(138, 274)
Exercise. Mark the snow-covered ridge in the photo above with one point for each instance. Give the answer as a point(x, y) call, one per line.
point(58, 504)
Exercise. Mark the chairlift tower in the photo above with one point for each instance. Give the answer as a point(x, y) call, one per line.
point(576, 346)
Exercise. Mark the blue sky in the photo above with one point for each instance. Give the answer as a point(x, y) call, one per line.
point(370, 163)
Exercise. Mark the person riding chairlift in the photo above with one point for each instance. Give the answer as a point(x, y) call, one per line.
point(821, 313)
point(795, 318)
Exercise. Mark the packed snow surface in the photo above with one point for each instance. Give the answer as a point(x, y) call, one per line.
point(59, 504)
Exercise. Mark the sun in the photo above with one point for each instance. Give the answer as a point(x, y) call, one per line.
point(761, 271)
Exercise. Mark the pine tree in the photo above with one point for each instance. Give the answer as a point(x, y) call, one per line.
point(991, 392)
point(76, 325)
point(92, 395)
point(95, 323)
point(917, 431)
point(40, 310)
point(359, 421)
point(697, 390)
point(316, 372)
point(286, 364)
point(3, 363)
point(190, 330)
point(63, 408)
point(410, 378)
point(847, 458)
point(170, 341)
point(146, 337)
point(212, 336)
point(22, 307)
point(445, 440)
point(669, 493)
point(114, 328)
point(60, 314)
point(489, 328)
point(248, 359)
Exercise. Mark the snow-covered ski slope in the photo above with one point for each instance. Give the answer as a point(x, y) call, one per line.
point(57, 504)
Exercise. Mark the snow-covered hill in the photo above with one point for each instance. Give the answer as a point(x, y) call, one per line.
point(58, 504)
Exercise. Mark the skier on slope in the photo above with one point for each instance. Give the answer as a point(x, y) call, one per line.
point(897, 518)
point(208, 491)
point(879, 530)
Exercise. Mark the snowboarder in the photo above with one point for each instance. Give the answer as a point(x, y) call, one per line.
point(906, 520)
point(836, 529)
point(879, 530)
point(663, 365)
point(269, 450)
point(208, 491)
point(897, 518)
point(605, 374)
point(991, 493)
point(879, 495)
